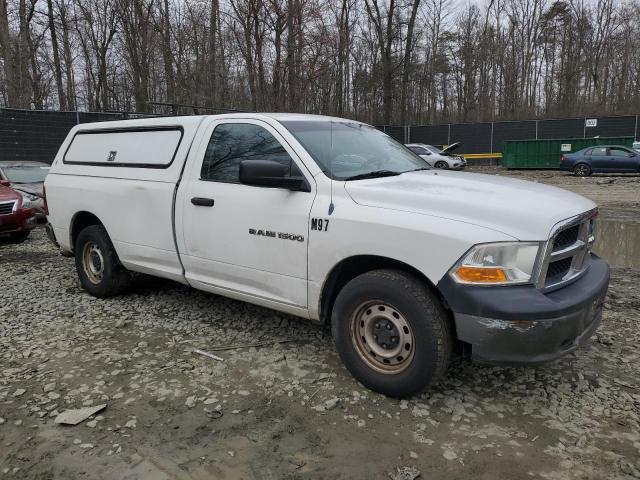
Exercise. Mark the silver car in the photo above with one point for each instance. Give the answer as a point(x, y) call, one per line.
point(27, 178)
point(438, 158)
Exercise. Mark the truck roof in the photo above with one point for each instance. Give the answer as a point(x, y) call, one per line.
point(194, 119)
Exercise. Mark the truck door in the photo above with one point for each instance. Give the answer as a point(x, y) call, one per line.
point(247, 242)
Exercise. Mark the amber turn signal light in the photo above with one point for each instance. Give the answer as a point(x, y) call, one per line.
point(481, 274)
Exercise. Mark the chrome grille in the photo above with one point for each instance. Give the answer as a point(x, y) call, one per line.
point(566, 237)
point(558, 269)
point(567, 251)
point(6, 207)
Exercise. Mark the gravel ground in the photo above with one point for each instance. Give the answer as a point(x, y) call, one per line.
point(286, 408)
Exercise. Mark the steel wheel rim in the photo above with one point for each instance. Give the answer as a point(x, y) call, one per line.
point(370, 331)
point(582, 170)
point(93, 262)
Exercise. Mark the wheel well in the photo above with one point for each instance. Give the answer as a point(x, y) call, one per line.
point(82, 220)
point(351, 267)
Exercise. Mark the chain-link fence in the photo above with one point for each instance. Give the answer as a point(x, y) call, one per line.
point(37, 134)
point(488, 137)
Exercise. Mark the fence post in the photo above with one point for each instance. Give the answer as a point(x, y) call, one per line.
point(449, 136)
point(77, 117)
point(491, 138)
point(584, 127)
point(536, 129)
point(635, 130)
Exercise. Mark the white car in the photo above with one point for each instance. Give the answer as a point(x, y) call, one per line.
point(438, 158)
point(335, 222)
point(636, 146)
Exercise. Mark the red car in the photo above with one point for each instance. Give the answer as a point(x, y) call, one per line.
point(17, 218)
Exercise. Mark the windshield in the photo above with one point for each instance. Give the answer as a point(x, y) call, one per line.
point(346, 150)
point(433, 149)
point(25, 174)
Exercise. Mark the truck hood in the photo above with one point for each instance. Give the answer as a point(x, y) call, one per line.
point(521, 209)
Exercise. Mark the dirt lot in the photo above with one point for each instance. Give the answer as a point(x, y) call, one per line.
point(290, 410)
point(618, 196)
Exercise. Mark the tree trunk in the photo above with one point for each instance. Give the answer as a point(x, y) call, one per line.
point(406, 63)
point(62, 101)
point(8, 57)
point(167, 56)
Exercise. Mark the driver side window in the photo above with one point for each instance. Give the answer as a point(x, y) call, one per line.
point(231, 143)
point(619, 152)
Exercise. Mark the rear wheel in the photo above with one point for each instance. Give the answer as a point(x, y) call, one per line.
point(99, 269)
point(582, 170)
point(391, 332)
point(441, 164)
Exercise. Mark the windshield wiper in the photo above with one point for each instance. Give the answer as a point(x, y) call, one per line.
point(417, 169)
point(374, 174)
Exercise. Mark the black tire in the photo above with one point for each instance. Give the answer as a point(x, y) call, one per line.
point(430, 351)
point(441, 164)
point(19, 237)
point(582, 170)
point(97, 263)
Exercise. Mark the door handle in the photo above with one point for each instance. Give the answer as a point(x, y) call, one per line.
point(202, 202)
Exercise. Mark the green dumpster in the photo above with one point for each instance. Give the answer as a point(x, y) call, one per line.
point(546, 153)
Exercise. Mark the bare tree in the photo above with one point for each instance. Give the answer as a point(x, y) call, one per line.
point(382, 61)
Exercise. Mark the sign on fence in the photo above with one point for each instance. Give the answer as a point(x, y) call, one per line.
point(591, 122)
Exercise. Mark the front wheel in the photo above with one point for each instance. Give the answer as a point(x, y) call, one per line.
point(441, 164)
point(99, 269)
point(391, 332)
point(582, 170)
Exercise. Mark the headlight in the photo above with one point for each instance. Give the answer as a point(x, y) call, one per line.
point(30, 196)
point(501, 263)
point(26, 203)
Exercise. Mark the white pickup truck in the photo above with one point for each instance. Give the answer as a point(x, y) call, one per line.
point(331, 220)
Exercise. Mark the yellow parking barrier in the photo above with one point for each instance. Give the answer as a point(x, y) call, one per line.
point(481, 156)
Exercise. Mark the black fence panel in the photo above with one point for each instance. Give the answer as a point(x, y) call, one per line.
point(475, 137)
point(37, 135)
point(561, 128)
point(33, 135)
point(89, 117)
point(429, 134)
point(396, 132)
point(503, 131)
point(612, 127)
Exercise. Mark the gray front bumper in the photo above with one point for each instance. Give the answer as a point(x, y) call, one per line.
point(523, 324)
point(519, 342)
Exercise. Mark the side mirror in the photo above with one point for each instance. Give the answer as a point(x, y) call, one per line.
point(267, 173)
point(5, 183)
